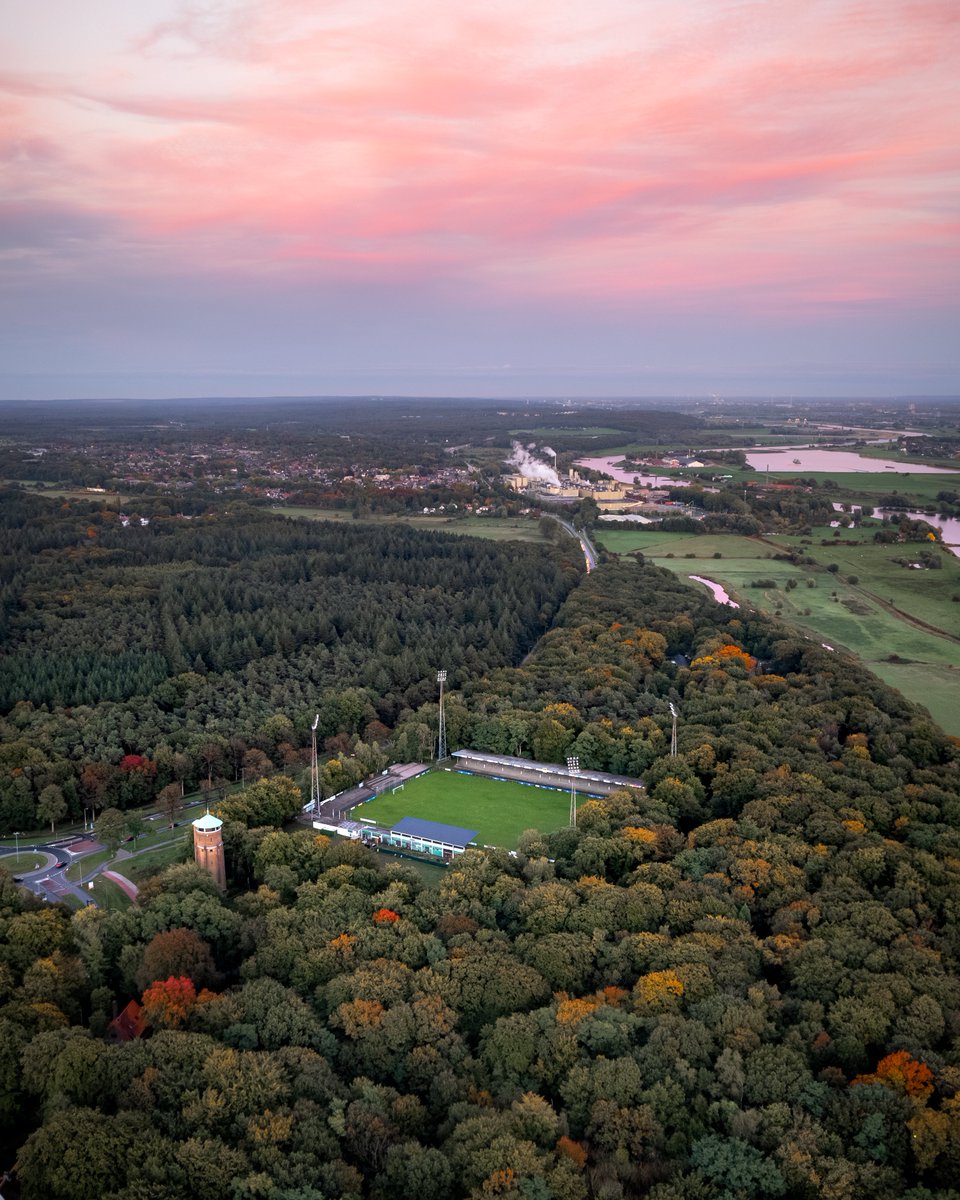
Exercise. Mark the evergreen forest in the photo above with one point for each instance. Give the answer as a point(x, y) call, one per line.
point(133, 657)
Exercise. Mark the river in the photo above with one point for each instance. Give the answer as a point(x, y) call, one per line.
point(796, 459)
point(719, 593)
point(606, 465)
point(780, 459)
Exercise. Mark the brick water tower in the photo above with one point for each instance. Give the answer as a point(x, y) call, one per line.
point(208, 847)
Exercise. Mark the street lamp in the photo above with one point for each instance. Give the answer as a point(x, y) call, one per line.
point(573, 766)
point(314, 769)
point(673, 735)
point(16, 839)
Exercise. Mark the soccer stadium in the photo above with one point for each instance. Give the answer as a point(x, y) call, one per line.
point(494, 798)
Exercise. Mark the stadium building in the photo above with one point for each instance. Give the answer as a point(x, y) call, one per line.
point(428, 837)
point(522, 770)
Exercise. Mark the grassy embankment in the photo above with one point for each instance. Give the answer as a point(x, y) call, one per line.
point(903, 623)
point(108, 895)
point(142, 866)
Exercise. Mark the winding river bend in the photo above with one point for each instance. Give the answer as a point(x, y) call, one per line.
point(719, 593)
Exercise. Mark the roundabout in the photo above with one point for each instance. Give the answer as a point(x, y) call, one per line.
point(27, 862)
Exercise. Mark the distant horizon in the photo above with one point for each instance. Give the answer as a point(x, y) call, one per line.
point(479, 398)
point(559, 396)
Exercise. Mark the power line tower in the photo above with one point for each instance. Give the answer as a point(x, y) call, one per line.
point(314, 768)
point(573, 766)
point(442, 731)
point(673, 735)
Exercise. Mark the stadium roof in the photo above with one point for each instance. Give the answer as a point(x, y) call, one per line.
point(434, 831)
point(547, 769)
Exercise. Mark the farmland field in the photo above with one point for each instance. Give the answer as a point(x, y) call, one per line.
point(498, 810)
point(904, 624)
point(862, 486)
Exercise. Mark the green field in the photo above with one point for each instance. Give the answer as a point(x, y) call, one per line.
point(55, 492)
point(109, 895)
point(880, 618)
point(81, 868)
point(498, 810)
point(871, 484)
point(545, 433)
point(28, 860)
point(497, 529)
point(153, 853)
point(143, 866)
point(864, 485)
point(659, 545)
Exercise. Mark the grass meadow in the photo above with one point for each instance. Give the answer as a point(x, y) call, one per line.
point(497, 529)
point(865, 486)
point(876, 618)
point(27, 860)
point(108, 895)
point(141, 866)
point(498, 810)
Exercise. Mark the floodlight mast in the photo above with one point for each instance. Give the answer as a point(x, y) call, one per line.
point(314, 768)
point(442, 730)
point(573, 766)
point(673, 735)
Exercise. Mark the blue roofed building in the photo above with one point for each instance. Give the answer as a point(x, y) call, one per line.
point(429, 837)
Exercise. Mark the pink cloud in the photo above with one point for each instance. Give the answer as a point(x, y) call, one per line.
point(752, 149)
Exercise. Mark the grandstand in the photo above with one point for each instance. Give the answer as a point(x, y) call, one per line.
point(522, 770)
point(428, 837)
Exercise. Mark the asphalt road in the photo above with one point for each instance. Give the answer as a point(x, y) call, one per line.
point(50, 881)
point(589, 551)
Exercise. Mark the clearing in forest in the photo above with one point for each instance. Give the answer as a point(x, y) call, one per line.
point(499, 810)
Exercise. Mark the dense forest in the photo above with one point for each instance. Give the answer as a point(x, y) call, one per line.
point(740, 983)
point(133, 656)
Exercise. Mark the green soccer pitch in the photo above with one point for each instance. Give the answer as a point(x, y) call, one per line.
point(499, 810)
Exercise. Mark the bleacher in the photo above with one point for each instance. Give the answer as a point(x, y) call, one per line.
point(521, 770)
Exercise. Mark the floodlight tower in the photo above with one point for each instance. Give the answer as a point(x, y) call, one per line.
point(314, 768)
point(573, 766)
point(673, 735)
point(442, 731)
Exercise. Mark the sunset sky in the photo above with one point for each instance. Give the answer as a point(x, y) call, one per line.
point(581, 197)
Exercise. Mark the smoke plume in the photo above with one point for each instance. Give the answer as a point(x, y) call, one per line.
point(530, 467)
